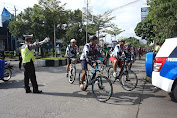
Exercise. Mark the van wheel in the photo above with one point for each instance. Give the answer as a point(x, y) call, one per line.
point(175, 92)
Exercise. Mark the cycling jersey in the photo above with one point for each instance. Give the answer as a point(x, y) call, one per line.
point(104, 51)
point(90, 51)
point(72, 52)
point(117, 52)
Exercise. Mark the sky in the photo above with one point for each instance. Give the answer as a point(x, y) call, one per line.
point(127, 17)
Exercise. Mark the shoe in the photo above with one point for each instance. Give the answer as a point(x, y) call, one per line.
point(28, 91)
point(82, 87)
point(115, 74)
point(38, 91)
point(67, 74)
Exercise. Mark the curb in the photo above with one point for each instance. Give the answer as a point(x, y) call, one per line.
point(51, 63)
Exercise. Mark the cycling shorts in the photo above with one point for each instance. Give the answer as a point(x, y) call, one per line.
point(69, 60)
point(112, 59)
point(84, 65)
point(120, 63)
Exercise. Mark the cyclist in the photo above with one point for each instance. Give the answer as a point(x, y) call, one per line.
point(105, 51)
point(140, 52)
point(89, 55)
point(115, 56)
point(71, 52)
point(129, 53)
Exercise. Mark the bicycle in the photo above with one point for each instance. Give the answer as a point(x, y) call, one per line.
point(101, 85)
point(72, 71)
point(126, 77)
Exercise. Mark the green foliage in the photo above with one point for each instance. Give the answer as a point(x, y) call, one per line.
point(144, 30)
point(9, 54)
point(161, 22)
point(47, 15)
point(114, 31)
point(133, 41)
point(101, 22)
point(53, 58)
point(75, 27)
point(164, 15)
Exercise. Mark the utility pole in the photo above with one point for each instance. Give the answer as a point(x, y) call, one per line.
point(15, 12)
point(55, 40)
point(87, 22)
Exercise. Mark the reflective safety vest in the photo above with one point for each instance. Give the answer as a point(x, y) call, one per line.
point(27, 54)
point(157, 48)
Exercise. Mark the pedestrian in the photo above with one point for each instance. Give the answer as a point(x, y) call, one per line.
point(28, 62)
point(20, 56)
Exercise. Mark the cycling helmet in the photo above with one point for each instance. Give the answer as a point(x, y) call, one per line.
point(122, 40)
point(93, 38)
point(73, 40)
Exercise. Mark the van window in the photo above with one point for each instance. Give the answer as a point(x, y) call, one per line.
point(174, 53)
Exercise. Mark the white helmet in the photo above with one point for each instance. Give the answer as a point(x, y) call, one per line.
point(73, 40)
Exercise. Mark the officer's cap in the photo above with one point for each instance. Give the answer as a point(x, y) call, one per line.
point(28, 36)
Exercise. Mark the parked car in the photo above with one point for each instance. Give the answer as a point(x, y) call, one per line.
point(163, 67)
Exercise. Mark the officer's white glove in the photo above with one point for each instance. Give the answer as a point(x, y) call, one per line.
point(47, 39)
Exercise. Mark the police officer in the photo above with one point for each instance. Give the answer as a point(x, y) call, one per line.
point(28, 62)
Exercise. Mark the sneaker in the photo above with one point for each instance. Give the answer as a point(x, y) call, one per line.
point(28, 91)
point(67, 74)
point(114, 74)
point(82, 87)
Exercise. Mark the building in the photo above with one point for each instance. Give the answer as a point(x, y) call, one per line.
point(7, 42)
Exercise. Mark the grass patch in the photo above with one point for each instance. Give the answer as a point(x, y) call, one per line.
point(148, 79)
point(53, 58)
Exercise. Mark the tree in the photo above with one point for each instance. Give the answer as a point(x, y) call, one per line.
point(45, 19)
point(133, 41)
point(164, 18)
point(144, 30)
point(101, 22)
point(114, 31)
point(54, 18)
point(75, 28)
point(160, 23)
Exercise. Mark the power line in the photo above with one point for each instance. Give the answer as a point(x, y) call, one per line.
point(115, 9)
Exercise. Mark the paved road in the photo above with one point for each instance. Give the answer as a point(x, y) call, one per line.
point(63, 100)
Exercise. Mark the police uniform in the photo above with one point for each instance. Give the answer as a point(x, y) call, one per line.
point(28, 63)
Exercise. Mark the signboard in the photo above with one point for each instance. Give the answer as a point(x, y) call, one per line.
point(144, 13)
point(0, 20)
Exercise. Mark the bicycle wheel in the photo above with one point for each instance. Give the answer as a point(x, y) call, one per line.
point(85, 81)
point(72, 75)
point(102, 88)
point(110, 75)
point(129, 80)
point(7, 74)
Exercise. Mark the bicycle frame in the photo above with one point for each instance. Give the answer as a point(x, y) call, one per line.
point(93, 74)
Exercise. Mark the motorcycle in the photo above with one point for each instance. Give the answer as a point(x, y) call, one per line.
point(7, 71)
